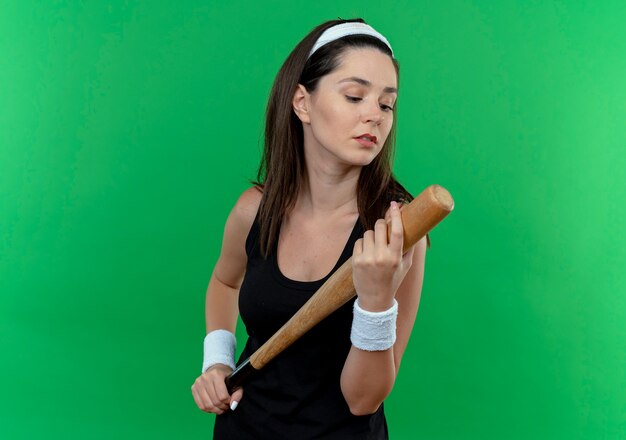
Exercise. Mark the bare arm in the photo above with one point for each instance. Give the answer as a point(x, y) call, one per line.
point(368, 377)
point(221, 309)
point(222, 293)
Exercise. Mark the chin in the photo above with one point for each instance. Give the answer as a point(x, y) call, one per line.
point(362, 160)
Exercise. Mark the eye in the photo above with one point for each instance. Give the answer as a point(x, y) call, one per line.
point(353, 98)
point(386, 108)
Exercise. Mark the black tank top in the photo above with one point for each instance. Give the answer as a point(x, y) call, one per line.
point(297, 395)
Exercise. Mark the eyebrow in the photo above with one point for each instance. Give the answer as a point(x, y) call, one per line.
point(366, 83)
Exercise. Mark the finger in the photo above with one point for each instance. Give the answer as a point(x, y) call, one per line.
point(236, 398)
point(217, 400)
point(197, 399)
point(368, 242)
point(397, 233)
point(222, 392)
point(209, 395)
point(207, 404)
point(358, 247)
point(380, 236)
point(407, 259)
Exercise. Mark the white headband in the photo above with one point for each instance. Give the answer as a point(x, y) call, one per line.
point(344, 29)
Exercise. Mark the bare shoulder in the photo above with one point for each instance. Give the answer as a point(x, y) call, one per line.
point(240, 220)
point(231, 264)
point(245, 209)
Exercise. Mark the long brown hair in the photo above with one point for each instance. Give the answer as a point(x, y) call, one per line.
point(282, 167)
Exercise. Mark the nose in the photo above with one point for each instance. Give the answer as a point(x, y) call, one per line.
point(373, 114)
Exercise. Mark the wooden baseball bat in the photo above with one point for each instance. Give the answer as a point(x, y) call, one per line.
point(418, 218)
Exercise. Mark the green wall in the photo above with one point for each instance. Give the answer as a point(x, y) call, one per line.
point(128, 129)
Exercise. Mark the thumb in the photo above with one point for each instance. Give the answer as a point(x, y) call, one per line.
point(235, 398)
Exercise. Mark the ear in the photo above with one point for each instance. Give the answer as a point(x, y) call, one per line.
point(300, 104)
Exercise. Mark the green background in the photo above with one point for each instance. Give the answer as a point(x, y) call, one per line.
point(128, 129)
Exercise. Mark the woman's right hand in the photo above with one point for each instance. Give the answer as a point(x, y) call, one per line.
point(210, 393)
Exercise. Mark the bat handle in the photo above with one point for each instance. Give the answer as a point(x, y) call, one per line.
point(239, 376)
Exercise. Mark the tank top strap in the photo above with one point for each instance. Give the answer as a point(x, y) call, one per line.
point(252, 242)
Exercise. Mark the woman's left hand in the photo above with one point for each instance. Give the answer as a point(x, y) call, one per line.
point(378, 264)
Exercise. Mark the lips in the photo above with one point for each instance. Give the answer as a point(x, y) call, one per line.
point(366, 139)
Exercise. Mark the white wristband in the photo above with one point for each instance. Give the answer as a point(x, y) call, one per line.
point(219, 348)
point(374, 331)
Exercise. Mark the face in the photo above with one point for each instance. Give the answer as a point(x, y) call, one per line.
point(350, 114)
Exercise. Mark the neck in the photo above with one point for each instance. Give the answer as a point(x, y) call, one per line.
point(328, 189)
point(328, 194)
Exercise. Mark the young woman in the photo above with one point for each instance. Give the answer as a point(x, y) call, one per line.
point(325, 193)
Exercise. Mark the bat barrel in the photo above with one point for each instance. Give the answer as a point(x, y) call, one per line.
point(424, 213)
